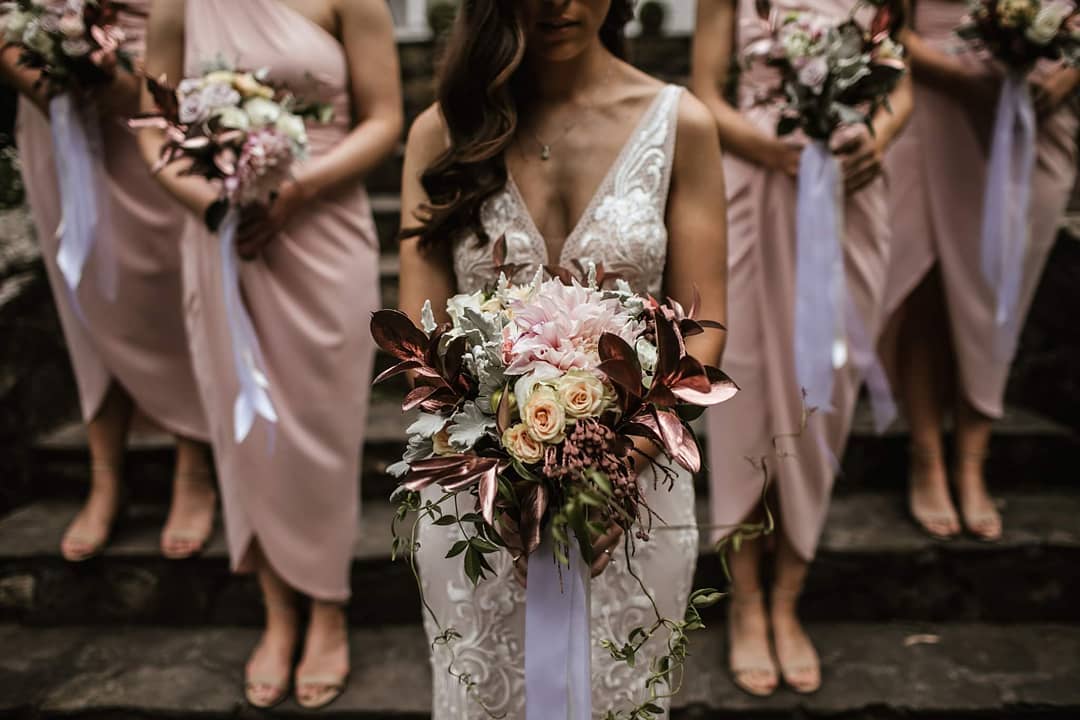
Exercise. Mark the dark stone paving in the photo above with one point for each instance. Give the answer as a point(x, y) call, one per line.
point(885, 568)
point(85, 672)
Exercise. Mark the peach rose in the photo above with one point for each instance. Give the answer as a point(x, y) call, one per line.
point(544, 416)
point(582, 394)
point(519, 443)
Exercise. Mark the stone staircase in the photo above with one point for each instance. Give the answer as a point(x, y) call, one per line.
point(907, 627)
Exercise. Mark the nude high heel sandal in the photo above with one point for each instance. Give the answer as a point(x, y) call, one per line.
point(78, 547)
point(191, 542)
point(755, 674)
point(801, 671)
point(942, 524)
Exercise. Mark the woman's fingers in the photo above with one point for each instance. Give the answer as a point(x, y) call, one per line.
point(604, 548)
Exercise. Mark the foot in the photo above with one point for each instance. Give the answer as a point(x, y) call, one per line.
point(799, 662)
point(929, 501)
point(749, 656)
point(266, 677)
point(324, 669)
point(89, 532)
point(191, 516)
point(980, 513)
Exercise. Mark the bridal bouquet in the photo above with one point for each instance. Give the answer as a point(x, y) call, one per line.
point(74, 43)
point(237, 131)
point(530, 400)
point(832, 73)
point(1016, 33)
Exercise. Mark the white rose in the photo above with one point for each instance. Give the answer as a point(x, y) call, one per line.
point(1048, 22)
point(544, 416)
point(15, 23)
point(581, 393)
point(262, 111)
point(814, 73)
point(72, 26)
point(35, 38)
point(233, 118)
point(292, 127)
point(520, 444)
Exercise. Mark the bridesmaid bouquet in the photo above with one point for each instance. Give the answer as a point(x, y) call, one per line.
point(834, 77)
point(530, 399)
point(832, 74)
point(1016, 33)
point(236, 130)
point(74, 43)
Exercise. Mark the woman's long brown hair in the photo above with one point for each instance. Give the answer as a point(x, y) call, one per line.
point(478, 91)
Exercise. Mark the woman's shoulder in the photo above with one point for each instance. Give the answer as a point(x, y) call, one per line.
point(428, 136)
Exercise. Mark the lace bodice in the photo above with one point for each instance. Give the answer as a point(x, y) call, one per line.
point(622, 227)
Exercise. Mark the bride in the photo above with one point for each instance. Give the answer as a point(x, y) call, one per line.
point(545, 136)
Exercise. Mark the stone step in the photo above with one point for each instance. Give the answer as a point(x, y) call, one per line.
point(884, 567)
point(871, 672)
point(1028, 451)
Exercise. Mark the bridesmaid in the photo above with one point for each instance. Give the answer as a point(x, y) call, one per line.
point(764, 420)
point(938, 174)
point(291, 491)
point(124, 358)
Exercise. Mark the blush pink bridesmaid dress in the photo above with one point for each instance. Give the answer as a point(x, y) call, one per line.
point(937, 171)
point(293, 486)
point(137, 341)
point(763, 421)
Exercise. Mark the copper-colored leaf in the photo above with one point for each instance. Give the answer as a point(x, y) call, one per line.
point(395, 333)
point(532, 514)
point(679, 443)
point(613, 347)
point(416, 396)
point(668, 347)
point(498, 251)
point(562, 274)
point(721, 389)
point(454, 357)
point(503, 411)
point(622, 374)
point(489, 489)
point(395, 370)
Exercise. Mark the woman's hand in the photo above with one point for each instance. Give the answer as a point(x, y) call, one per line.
point(785, 155)
point(603, 552)
point(860, 156)
point(259, 224)
point(1050, 91)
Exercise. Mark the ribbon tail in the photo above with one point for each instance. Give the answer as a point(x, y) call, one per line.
point(253, 399)
point(1006, 206)
point(557, 639)
point(820, 334)
point(865, 358)
point(78, 153)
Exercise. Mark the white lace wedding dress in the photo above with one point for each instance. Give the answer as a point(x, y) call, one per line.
point(623, 228)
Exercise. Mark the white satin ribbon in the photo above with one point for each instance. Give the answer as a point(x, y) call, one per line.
point(820, 287)
point(1005, 206)
point(557, 641)
point(252, 398)
point(79, 155)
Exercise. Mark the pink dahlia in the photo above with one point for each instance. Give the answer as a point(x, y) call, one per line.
point(560, 327)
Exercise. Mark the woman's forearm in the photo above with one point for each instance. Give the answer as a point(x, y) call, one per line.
point(888, 122)
point(195, 193)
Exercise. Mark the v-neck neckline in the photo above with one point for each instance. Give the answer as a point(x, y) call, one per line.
point(530, 223)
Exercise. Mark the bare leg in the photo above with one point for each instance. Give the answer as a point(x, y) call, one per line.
point(799, 662)
point(191, 514)
point(981, 516)
point(322, 672)
point(107, 435)
point(749, 654)
point(922, 368)
point(267, 672)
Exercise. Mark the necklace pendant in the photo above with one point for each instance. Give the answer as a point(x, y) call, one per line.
point(545, 152)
